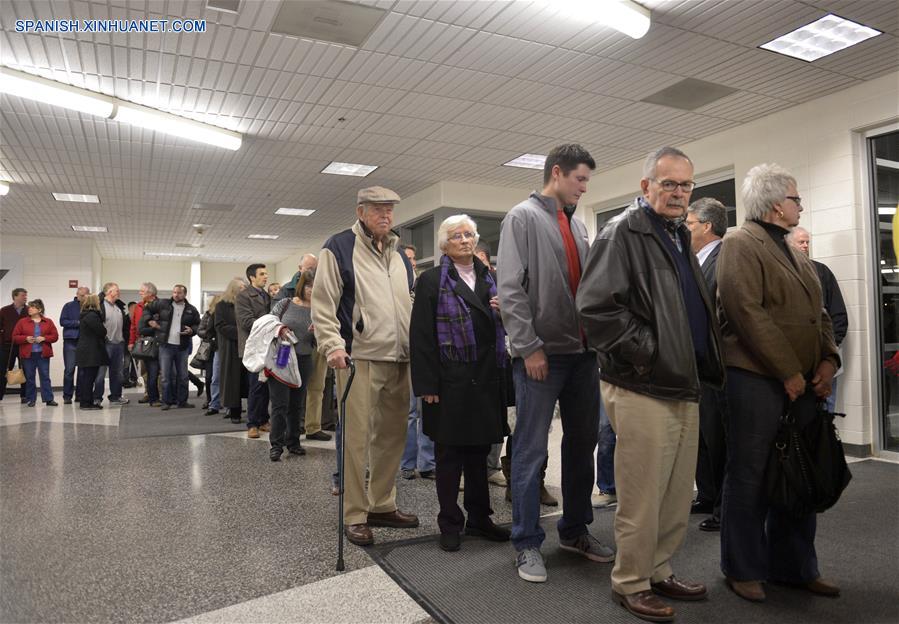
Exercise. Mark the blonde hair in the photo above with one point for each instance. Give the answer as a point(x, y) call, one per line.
point(234, 286)
point(213, 303)
point(91, 302)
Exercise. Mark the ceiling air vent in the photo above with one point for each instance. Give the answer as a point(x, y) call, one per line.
point(689, 94)
point(327, 20)
point(228, 6)
point(190, 245)
point(215, 207)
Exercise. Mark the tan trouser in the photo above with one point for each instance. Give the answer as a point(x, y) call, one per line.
point(315, 388)
point(376, 412)
point(655, 462)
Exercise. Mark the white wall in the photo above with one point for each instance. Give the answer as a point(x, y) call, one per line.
point(130, 274)
point(216, 275)
point(49, 264)
point(820, 143)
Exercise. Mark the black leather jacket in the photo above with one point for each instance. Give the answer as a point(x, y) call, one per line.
point(633, 313)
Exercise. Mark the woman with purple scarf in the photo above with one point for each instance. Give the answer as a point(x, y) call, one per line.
point(458, 353)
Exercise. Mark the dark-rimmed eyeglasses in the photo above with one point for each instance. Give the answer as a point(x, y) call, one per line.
point(670, 185)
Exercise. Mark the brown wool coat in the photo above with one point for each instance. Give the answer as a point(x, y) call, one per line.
point(772, 319)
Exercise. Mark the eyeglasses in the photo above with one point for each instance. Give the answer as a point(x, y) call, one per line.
point(795, 198)
point(460, 235)
point(670, 185)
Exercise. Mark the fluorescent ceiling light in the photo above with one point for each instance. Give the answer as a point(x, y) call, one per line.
point(820, 38)
point(54, 93)
point(294, 212)
point(170, 253)
point(4, 187)
point(153, 119)
point(624, 16)
point(349, 169)
point(263, 236)
point(886, 211)
point(527, 161)
point(75, 197)
point(89, 228)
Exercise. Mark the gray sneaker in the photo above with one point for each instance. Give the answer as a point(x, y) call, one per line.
point(589, 547)
point(530, 565)
point(119, 401)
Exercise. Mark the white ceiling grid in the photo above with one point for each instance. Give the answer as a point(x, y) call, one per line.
point(440, 91)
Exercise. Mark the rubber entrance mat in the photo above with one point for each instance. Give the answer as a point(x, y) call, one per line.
point(857, 547)
point(142, 421)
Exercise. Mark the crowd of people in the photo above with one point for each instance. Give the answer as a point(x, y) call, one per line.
point(673, 349)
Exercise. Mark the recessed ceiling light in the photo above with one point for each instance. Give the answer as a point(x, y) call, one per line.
point(75, 197)
point(527, 161)
point(169, 253)
point(263, 236)
point(209, 206)
point(349, 169)
point(4, 187)
point(822, 37)
point(89, 228)
point(624, 16)
point(294, 212)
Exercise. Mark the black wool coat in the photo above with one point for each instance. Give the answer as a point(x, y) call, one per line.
point(91, 348)
point(472, 406)
point(231, 370)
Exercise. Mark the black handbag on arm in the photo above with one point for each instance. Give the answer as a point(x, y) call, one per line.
point(826, 449)
point(145, 348)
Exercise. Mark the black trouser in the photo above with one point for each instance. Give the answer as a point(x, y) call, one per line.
point(759, 543)
point(712, 448)
point(257, 401)
point(288, 408)
point(207, 375)
point(452, 461)
point(86, 377)
point(6, 352)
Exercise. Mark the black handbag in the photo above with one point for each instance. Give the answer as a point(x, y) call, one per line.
point(806, 469)
point(145, 348)
point(204, 352)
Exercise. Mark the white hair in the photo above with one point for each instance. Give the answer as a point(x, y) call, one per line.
point(653, 158)
point(452, 223)
point(764, 186)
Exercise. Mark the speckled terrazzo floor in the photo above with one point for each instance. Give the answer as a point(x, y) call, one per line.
point(94, 528)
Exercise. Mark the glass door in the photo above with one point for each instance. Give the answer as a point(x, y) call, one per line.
point(884, 159)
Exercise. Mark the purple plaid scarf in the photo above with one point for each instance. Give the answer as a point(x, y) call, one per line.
point(455, 330)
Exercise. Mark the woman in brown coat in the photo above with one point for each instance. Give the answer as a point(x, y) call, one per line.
point(780, 354)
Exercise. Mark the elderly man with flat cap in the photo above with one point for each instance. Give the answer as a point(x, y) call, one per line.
point(361, 306)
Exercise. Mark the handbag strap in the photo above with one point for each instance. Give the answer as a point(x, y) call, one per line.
point(13, 347)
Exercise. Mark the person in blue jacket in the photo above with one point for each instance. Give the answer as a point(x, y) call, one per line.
point(69, 318)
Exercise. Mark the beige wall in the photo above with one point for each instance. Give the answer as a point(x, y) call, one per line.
point(821, 143)
point(130, 274)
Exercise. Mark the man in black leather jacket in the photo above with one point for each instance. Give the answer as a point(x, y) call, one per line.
point(646, 310)
point(175, 322)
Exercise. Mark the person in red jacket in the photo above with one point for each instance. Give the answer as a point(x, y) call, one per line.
point(34, 335)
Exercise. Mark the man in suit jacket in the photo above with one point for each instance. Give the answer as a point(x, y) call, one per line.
point(707, 222)
point(251, 303)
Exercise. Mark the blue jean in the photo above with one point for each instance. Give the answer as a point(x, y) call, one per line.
point(831, 401)
point(605, 453)
point(419, 451)
point(41, 366)
point(215, 386)
point(116, 354)
point(573, 381)
point(68, 378)
point(257, 401)
point(173, 362)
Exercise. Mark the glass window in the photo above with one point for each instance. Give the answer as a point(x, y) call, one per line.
point(421, 235)
point(607, 215)
point(725, 192)
point(884, 158)
point(488, 229)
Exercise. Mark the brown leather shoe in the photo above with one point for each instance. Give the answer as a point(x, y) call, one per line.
point(823, 588)
point(253, 432)
point(394, 519)
point(677, 589)
point(359, 534)
point(747, 590)
point(265, 427)
point(645, 605)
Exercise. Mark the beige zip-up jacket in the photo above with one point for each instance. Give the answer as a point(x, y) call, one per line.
point(362, 298)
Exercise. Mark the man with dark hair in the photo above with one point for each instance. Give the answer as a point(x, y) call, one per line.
point(648, 314)
point(70, 319)
point(9, 316)
point(175, 321)
point(542, 248)
point(707, 222)
point(250, 304)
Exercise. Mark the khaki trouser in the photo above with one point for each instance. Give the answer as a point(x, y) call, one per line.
point(655, 461)
point(315, 388)
point(376, 412)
